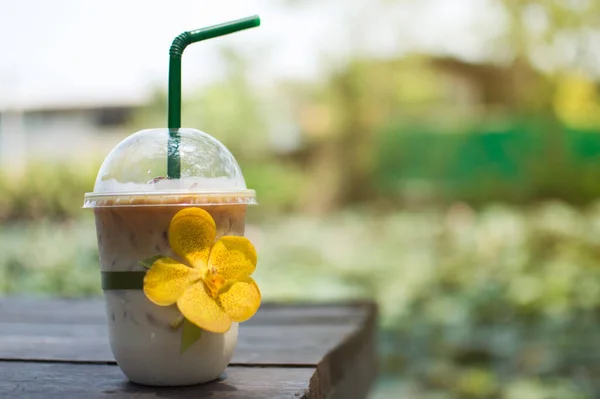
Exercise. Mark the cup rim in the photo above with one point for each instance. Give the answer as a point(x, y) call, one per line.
point(169, 198)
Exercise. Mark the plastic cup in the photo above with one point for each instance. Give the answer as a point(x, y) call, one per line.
point(133, 204)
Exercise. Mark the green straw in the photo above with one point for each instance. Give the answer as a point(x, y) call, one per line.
point(174, 100)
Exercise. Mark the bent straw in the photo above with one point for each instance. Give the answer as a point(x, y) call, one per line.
point(174, 95)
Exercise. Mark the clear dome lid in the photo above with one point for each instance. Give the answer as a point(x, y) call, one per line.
point(135, 172)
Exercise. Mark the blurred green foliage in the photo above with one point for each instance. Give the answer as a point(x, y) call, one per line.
point(49, 259)
point(517, 162)
point(46, 191)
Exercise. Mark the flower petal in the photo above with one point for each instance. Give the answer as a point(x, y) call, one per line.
point(233, 257)
point(167, 280)
point(192, 233)
point(241, 300)
point(200, 308)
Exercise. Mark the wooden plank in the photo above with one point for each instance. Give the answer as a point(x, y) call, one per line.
point(75, 330)
point(336, 354)
point(46, 380)
point(91, 311)
point(37, 310)
point(260, 345)
point(348, 371)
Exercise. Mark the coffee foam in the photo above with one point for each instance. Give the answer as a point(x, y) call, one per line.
point(161, 191)
point(160, 184)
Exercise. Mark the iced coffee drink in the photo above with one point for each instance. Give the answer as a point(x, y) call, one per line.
point(139, 331)
point(134, 210)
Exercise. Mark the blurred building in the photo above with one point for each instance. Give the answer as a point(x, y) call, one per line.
point(62, 130)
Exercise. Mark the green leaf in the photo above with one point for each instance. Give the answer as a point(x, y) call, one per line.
point(190, 334)
point(148, 262)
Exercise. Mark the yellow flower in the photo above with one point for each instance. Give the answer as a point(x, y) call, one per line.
point(213, 288)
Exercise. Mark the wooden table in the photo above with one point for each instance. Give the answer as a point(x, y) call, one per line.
point(59, 349)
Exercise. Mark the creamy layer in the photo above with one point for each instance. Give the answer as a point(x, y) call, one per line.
point(143, 342)
point(146, 347)
point(163, 184)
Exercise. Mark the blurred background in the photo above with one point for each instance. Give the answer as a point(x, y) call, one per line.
point(439, 156)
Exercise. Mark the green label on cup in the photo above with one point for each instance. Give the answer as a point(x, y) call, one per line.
point(122, 280)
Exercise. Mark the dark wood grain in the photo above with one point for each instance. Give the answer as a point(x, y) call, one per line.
point(260, 345)
point(71, 330)
point(91, 311)
point(312, 351)
point(21, 380)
